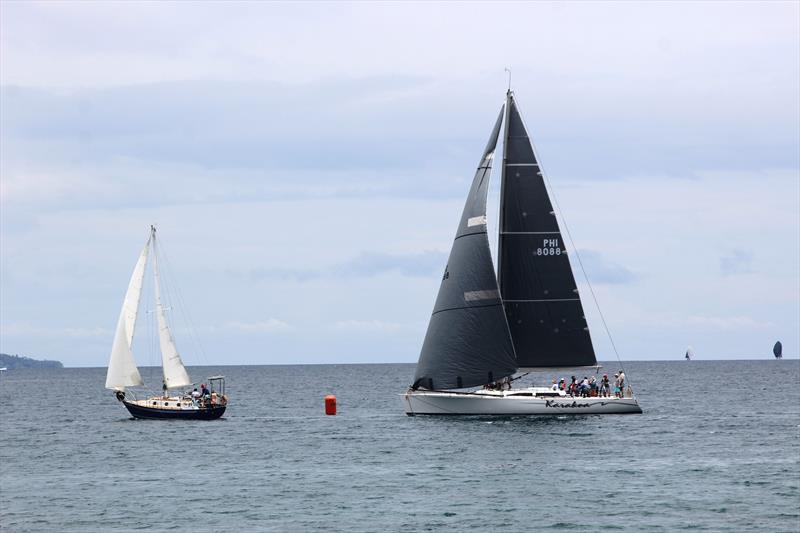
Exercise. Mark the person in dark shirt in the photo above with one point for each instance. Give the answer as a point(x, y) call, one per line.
point(605, 387)
point(206, 394)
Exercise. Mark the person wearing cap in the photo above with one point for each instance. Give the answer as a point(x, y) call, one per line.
point(562, 385)
point(621, 383)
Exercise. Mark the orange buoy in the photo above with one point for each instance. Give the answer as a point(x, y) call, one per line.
point(330, 404)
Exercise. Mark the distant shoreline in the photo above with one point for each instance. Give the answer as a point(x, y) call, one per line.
point(15, 362)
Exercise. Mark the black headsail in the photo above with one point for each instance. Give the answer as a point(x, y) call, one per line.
point(468, 343)
point(777, 350)
point(541, 299)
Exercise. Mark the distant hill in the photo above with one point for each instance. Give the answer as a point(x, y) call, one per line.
point(16, 361)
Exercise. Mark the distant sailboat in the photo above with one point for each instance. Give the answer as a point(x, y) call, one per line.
point(689, 353)
point(485, 328)
point(777, 350)
point(123, 373)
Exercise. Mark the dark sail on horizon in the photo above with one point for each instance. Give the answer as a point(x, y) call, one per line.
point(541, 300)
point(777, 350)
point(468, 343)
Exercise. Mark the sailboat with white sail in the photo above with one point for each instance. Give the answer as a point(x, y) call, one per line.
point(486, 328)
point(689, 353)
point(176, 400)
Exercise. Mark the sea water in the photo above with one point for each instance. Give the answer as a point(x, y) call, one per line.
point(717, 448)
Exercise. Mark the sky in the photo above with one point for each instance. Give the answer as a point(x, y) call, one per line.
point(307, 163)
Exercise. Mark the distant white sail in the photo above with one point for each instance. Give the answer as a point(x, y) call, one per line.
point(122, 370)
point(689, 353)
point(175, 374)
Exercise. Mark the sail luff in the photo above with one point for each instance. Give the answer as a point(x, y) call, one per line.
point(122, 371)
point(467, 342)
point(503, 186)
point(174, 371)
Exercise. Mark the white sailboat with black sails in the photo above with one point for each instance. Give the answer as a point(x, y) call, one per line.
point(176, 400)
point(485, 328)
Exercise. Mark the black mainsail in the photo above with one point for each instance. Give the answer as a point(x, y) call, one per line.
point(544, 311)
point(468, 343)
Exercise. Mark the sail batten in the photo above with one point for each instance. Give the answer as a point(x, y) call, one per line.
point(467, 342)
point(122, 370)
point(175, 374)
point(546, 320)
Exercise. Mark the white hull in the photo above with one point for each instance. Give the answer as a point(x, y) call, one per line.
point(514, 402)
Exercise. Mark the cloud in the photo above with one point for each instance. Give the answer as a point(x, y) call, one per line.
point(601, 270)
point(271, 325)
point(260, 156)
point(422, 264)
point(736, 262)
point(366, 264)
point(367, 325)
point(25, 329)
point(728, 323)
point(284, 274)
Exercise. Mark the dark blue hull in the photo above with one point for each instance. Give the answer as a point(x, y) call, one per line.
point(206, 413)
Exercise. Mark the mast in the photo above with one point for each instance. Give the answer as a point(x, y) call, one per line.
point(503, 183)
point(174, 373)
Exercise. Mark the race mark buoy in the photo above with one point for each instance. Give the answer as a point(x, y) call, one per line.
point(330, 404)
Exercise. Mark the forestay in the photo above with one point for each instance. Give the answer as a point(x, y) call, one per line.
point(468, 343)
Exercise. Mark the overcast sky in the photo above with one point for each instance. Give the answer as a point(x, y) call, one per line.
point(307, 163)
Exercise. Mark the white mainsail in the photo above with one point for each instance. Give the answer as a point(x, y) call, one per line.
point(175, 374)
point(122, 370)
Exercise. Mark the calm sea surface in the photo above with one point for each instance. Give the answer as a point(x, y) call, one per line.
point(717, 449)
